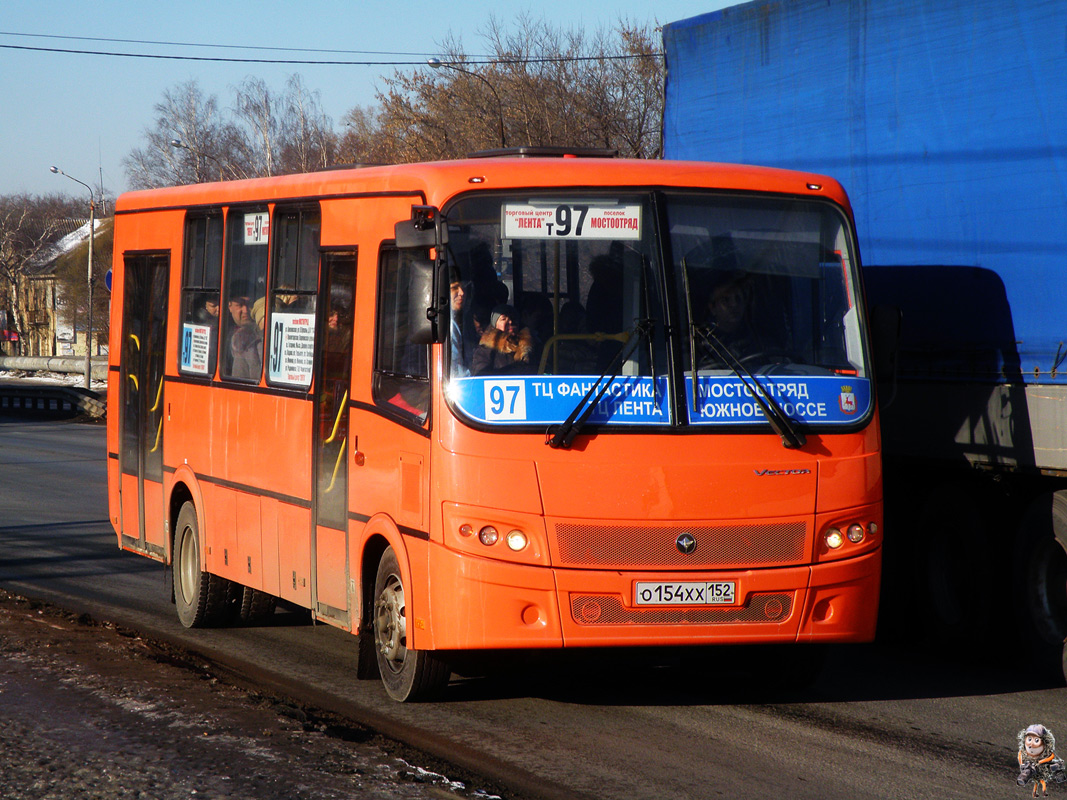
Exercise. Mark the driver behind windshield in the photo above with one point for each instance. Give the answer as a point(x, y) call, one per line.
point(729, 317)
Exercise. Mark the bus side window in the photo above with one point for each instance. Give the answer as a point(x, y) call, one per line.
point(294, 284)
point(201, 278)
point(401, 368)
point(247, 246)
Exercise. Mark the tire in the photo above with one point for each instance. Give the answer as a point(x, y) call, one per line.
point(954, 537)
point(255, 606)
point(200, 597)
point(1041, 579)
point(408, 675)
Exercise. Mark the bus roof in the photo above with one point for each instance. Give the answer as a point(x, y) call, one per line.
point(438, 181)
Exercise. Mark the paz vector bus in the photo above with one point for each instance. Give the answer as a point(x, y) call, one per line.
point(528, 399)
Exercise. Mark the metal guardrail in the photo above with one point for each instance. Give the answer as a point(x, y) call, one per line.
point(26, 396)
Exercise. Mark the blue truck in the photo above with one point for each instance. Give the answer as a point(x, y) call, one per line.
point(946, 121)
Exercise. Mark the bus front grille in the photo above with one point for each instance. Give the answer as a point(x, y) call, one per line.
point(608, 609)
point(716, 546)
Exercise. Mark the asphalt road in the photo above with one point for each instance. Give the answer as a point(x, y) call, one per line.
point(883, 721)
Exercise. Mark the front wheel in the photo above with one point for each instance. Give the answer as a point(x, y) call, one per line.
point(408, 675)
point(201, 598)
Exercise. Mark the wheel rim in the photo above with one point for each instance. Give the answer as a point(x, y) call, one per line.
point(1047, 590)
point(188, 564)
point(390, 624)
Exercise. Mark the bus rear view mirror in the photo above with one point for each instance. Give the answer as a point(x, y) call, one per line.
point(422, 308)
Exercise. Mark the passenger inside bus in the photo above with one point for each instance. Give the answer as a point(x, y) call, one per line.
point(208, 313)
point(246, 340)
point(463, 338)
point(605, 302)
point(505, 348)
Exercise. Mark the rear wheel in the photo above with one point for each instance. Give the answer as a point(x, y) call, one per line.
point(199, 596)
point(1041, 577)
point(256, 606)
point(408, 674)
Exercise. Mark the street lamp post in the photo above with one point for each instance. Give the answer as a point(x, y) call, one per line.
point(437, 63)
point(89, 276)
point(183, 146)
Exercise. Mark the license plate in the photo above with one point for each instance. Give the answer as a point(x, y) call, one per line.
point(684, 593)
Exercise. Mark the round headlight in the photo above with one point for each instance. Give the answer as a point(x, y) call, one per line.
point(833, 538)
point(466, 529)
point(488, 535)
point(873, 528)
point(516, 540)
point(855, 533)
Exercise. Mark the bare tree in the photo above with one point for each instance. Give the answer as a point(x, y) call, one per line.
point(540, 86)
point(210, 142)
point(256, 109)
point(308, 141)
point(361, 140)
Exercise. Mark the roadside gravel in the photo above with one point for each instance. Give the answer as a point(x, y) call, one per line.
point(90, 711)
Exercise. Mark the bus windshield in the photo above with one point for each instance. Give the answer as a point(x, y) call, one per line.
point(674, 301)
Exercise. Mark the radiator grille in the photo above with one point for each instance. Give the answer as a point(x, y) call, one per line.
point(587, 609)
point(623, 546)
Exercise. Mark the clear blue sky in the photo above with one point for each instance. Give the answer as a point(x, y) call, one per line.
point(84, 113)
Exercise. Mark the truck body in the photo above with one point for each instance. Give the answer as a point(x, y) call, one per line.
point(945, 123)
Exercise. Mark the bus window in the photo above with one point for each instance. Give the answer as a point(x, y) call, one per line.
point(201, 278)
point(401, 370)
point(248, 237)
point(294, 282)
point(554, 293)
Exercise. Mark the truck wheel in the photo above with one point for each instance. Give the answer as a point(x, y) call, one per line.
point(1041, 577)
point(954, 530)
point(408, 675)
point(199, 596)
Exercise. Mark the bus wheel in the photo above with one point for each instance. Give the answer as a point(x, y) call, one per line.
point(256, 606)
point(408, 675)
point(200, 596)
point(1041, 577)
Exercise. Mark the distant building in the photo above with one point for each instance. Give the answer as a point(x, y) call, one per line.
point(47, 323)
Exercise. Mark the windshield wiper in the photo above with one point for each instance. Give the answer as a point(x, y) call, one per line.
point(792, 438)
point(565, 434)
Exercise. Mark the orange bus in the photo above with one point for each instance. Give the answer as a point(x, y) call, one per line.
point(530, 399)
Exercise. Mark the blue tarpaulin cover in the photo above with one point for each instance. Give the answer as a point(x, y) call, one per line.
point(945, 120)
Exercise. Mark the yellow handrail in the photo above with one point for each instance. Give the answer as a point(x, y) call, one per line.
point(337, 422)
point(336, 466)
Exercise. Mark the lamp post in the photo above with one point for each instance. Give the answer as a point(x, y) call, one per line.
point(437, 63)
point(89, 275)
point(183, 146)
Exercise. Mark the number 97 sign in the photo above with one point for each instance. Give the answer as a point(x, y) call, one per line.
point(505, 400)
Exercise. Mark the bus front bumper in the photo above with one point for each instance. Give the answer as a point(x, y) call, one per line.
point(486, 604)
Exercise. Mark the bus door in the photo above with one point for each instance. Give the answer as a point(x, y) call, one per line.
point(331, 443)
point(144, 326)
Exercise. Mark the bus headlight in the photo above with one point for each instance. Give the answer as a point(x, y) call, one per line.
point(833, 538)
point(855, 533)
point(516, 540)
point(488, 535)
